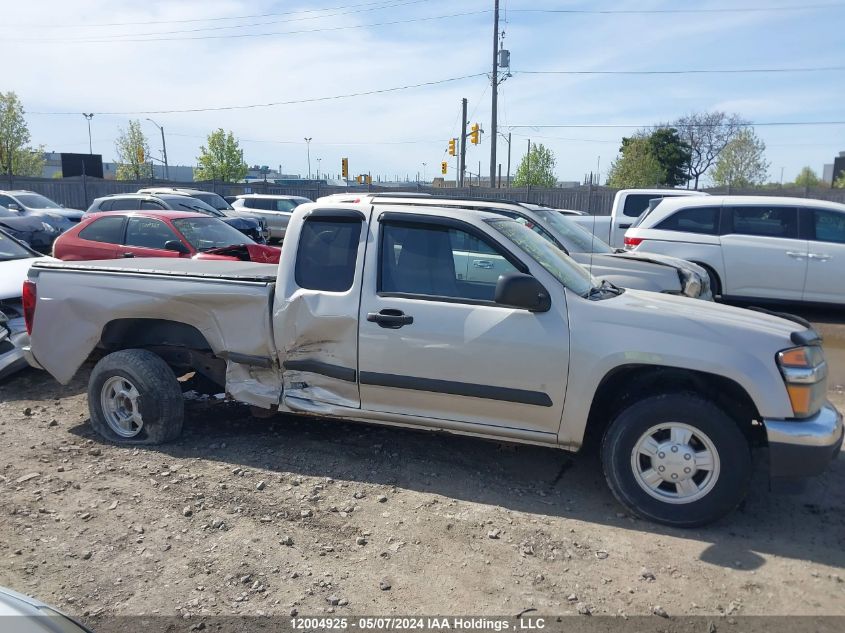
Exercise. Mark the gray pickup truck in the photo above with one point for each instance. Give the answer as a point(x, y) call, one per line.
point(371, 316)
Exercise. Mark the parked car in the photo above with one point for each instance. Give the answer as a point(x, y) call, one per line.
point(274, 209)
point(30, 202)
point(22, 614)
point(368, 318)
point(129, 234)
point(753, 247)
point(15, 260)
point(647, 272)
point(175, 202)
point(628, 205)
point(34, 230)
point(213, 200)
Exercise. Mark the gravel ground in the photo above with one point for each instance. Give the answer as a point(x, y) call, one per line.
point(289, 515)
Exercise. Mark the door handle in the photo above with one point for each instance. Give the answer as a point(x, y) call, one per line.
point(625, 226)
point(390, 318)
point(128, 255)
point(822, 257)
point(796, 254)
point(482, 263)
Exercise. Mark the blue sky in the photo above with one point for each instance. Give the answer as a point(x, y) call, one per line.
point(394, 133)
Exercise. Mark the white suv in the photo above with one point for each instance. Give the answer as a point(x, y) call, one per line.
point(274, 209)
point(760, 247)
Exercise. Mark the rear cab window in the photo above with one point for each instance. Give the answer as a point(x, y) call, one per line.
point(327, 254)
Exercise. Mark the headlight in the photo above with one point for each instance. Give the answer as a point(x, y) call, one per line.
point(691, 284)
point(804, 371)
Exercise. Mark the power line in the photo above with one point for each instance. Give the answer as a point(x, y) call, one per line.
point(252, 24)
point(626, 126)
point(778, 9)
point(191, 20)
point(122, 40)
point(278, 103)
point(692, 71)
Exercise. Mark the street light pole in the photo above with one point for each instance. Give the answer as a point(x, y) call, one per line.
point(308, 143)
point(318, 168)
point(163, 149)
point(424, 164)
point(494, 80)
point(89, 116)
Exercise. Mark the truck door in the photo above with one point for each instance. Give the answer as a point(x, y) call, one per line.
point(434, 344)
point(315, 311)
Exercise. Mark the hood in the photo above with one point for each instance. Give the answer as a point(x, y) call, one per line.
point(704, 320)
point(610, 263)
point(12, 275)
point(664, 260)
point(71, 214)
point(241, 224)
point(244, 252)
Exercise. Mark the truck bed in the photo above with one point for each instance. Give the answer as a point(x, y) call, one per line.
point(209, 269)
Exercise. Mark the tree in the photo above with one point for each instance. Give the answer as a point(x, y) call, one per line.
point(16, 157)
point(537, 168)
point(672, 153)
point(707, 134)
point(222, 159)
point(636, 166)
point(807, 178)
point(743, 162)
point(132, 149)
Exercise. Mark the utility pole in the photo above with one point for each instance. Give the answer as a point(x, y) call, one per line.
point(308, 143)
point(463, 165)
point(89, 116)
point(528, 172)
point(495, 94)
point(163, 149)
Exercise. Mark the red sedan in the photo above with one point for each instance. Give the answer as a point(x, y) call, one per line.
point(159, 234)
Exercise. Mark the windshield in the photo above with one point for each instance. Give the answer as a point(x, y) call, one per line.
point(207, 233)
point(558, 264)
point(213, 200)
point(185, 203)
point(574, 237)
point(35, 201)
point(10, 249)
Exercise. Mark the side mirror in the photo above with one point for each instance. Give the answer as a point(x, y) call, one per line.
point(177, 246)
point(522, 291)
point(13, 207)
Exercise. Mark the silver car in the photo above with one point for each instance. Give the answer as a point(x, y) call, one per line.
point(276, 209)
point(213, 200)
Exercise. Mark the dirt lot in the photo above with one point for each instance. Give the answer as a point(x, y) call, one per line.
point(248, 516)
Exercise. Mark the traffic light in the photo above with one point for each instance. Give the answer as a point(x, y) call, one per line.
point(359, 179)
point(444, 167)
point(452, 144)
point(344, 167)
point(473, 136)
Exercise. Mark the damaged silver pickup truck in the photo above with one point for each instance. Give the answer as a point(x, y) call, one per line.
point(374, 315)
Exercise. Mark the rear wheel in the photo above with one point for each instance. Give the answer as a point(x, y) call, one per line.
point(677, 459)
point(135, 398)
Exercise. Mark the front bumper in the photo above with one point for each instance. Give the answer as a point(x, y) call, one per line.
point(13, 338)
point(803, 448)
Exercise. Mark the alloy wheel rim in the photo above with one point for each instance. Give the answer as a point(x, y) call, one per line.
point(675, 463)
point(120, 402)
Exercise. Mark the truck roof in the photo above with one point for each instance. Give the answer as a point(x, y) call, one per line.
point(209, 269)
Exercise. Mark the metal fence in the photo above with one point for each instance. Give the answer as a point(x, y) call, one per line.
point(78, 193)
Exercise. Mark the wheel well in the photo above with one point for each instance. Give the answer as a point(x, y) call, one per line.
point(716, 281)
point(631, 383)
point(182, 346)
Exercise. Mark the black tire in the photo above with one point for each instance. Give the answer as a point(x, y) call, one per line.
point(732, 448)
point(159, 401)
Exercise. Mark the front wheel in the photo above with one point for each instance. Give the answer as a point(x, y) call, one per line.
point(135, 398)
point(677, 459)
